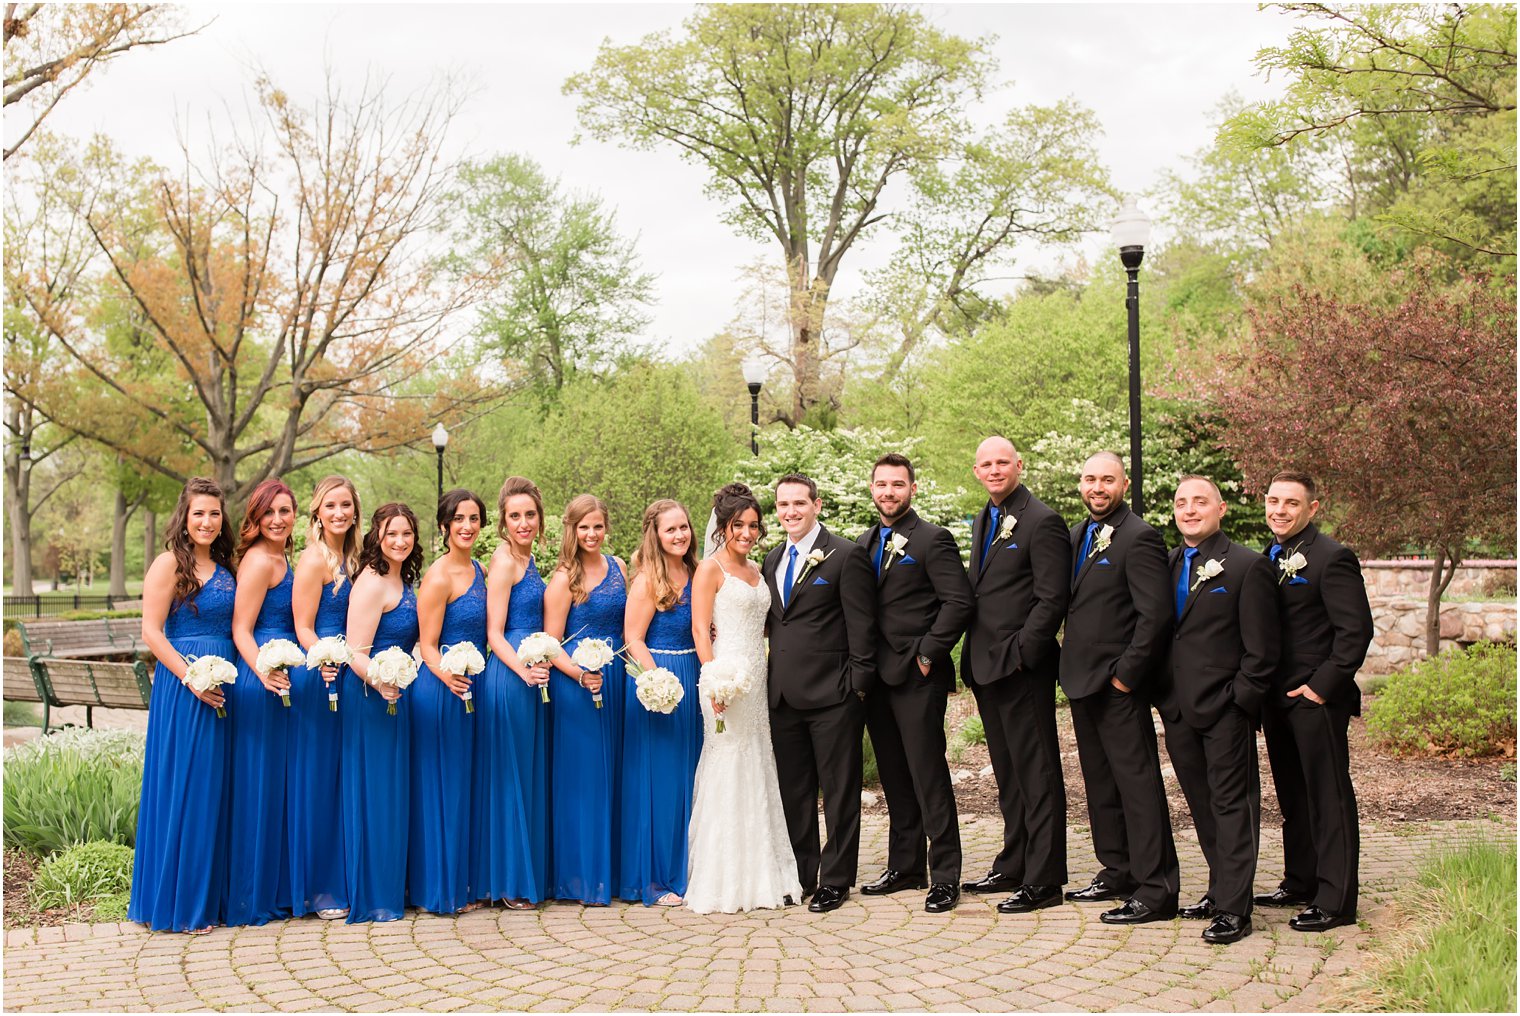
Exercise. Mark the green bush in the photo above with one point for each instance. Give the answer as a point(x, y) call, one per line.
point(112, 907)
point(23, 714)
point(1453, 704)
point(96, 615)
point(972, 731)
point(74, 786)
point(83, 872)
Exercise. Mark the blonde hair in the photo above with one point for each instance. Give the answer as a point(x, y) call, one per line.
point(569, 548)
point(650, 558)
point(347, 565)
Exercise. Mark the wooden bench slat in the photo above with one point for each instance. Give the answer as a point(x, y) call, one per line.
point(20, 684)
point(93, 683)
point(76, 639)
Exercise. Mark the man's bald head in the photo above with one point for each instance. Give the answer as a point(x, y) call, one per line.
point(1103, 458)
point(998, 467)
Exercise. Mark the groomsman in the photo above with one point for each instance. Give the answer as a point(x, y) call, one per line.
point(1020, 574)
point(1117, 627)
point(1326, 628)
point(923, 602)
point(1223, 655)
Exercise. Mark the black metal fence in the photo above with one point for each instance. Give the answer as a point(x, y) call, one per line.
point(19, 608)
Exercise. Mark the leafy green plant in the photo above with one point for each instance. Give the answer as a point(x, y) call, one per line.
point(112, 907)
point(972, 731)
point(85, 871)
point(1458, 703)
point(74, 786)
point(22, 714)
point(869, 773)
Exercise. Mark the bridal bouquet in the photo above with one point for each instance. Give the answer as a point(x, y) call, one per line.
point(593, 654)
point(536, 650)
point(395, 667)
point(658, 690)
point(207, 672)
point(331, 651)
point(277, 655)
point(725, 681)
point(464, 658)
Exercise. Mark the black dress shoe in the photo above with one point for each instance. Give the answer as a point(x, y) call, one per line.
point(1282, 898)
point(992, 882)
point(828, 897)
point(1226, 928)
point(1200, 911)
point(1098, 892)
point(1028, 898)
point(943, 896)
point(1319, 919)
point(892, 881)
point(1135, 912)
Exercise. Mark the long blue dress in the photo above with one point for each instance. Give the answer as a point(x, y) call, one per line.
point(258, 851)
point(659, 765)
point(509, 850)
point(585, 754)
point(179, 870)
point(316, 841)
point(375, 777)
point(443, 755)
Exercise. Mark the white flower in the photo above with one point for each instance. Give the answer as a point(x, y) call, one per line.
point(1207, 570)
point(816, 558)
point(463, 658)
point(1102, 540)
point(207, 672)
point(279, 654)
point(538, 648)
point(1290, 565)
point(395, 667)
point(725, 681)
point(1005, 528)
point(896, 547)
point(593, 654)
point(331, 651)
point(659, 690)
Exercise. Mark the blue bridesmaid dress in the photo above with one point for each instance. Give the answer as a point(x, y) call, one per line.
point(258, 857)
point(179, 869)
point(509, 850)
point(443, 752)
point(585, 756)
point(375, 778)
point(659, 765)
point(316, 841)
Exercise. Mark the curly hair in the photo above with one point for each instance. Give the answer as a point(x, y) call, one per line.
point(372, 555)
point(569, 548)
point(729, 503)
point(186, 585)
point(651, 558)
point(348, 563)
point(259, 502)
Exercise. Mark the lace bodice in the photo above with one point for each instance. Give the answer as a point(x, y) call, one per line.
point(332, 609)
point(207, 614)
point(464, 619)
point(671, 629)
point(739, 611)
point(525, 608)
point(601, 616)
point(275, 617)
point(398, 626)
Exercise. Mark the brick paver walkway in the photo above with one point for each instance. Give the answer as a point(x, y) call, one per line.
point(872, 954)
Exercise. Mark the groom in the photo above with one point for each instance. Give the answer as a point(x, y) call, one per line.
point(822, 630)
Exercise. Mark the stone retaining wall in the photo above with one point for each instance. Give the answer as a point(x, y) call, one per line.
point(1412, 578)
point(1399, 623)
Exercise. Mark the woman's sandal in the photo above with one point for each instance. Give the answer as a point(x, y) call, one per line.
point(669, 900)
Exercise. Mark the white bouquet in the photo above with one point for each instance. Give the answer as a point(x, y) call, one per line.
point(463, 658)
point(331, 651)
point(536, 650)
point(207, 672)
point(593, 654)
point(395, 667)
point(277, 655)
point(725, 681)
point(659, 690)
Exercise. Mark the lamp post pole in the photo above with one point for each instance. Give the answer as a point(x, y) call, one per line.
point(754, 378)
point(1131, 229)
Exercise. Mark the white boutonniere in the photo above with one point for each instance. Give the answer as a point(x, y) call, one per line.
point(810, 562)
point(1005, 529)
point(1209, 569)
point(1290, 565)
point(1102, 540)
point(895, 548)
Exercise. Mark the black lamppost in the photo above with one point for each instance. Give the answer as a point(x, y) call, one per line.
point(754, 378)
point(1131, 230)
point(440, 442)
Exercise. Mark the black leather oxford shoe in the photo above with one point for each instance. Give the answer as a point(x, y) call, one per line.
point(892, 881)
point(1098, 892)
point(1319, 919)
point(1027, 898)
point(992, 882)
point(1200, 911)
point(1282, 898)
point(1135, 912)
point(943, 896)
point(1226, 928)
point(828, 897)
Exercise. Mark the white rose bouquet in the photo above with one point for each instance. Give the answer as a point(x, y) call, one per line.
point(659, 690)
point(395, 667)
point(207, 672)
point(464, 658)
point(536, 650)
point(277, 655)
point(725, 681)
point(330, 651)
point(593, 654)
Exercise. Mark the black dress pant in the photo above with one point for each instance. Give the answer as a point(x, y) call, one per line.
point(1019, 715)
point(1126, 800)
point(907, 725)
point(821, 747)
point(1216, 766)
point(1311, 769)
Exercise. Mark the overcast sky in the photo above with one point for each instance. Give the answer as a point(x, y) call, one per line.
point(1151, 73)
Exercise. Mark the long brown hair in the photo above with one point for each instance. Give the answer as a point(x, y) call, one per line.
point(178, 542)
point(510, 488)
point(259, 502)
point(650, 558)
point(569, 549)
point(372, 556)
point(348, 564)
point(449, 504)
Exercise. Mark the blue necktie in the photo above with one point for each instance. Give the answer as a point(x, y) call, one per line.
point(886, 535)
point(790, 577)
point(1275, 551)
point(1182, 580)
point(1086, 548)
point(992, 528)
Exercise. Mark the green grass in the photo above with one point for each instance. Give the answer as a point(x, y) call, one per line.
point(23, 714)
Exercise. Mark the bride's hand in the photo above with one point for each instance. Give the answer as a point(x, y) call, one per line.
point(717, 706)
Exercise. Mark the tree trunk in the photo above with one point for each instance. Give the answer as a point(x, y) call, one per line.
point(150, 537)
point(1440, 578)
point(18, 483)
point(119, 515)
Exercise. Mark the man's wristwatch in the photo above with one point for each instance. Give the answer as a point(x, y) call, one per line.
point(924, 661)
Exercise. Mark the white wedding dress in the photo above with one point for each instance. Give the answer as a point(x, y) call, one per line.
point(740, 854)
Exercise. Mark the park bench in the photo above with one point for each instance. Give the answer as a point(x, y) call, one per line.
point(89, 683)
point(68, 640)
point(20, 680)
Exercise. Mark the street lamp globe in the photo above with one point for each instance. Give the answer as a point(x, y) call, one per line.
point(1131, 227)
point(440, 438)
point(754, 373)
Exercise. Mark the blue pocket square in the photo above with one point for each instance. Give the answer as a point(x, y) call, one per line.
point(1298, 580)
point(820, 582)
point(1219, 589)
point(1104, 560)
point(908, 560)
point(1012, 546)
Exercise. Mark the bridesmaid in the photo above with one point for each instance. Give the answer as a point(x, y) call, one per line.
point(586, 598)
point(319, 600)
point(258, 858)
point(179, 870)
point(451, 609)
point(660, 751)
point(374, 773)
point(510, 839)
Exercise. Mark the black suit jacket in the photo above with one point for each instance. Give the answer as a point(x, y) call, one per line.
point(923, 601)
point(1021, 594)
point(1326, 621)
point(823, 642)
point(1120, 613)
point(1226, 645)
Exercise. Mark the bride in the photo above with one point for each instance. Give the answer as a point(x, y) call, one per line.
point(741, 855)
